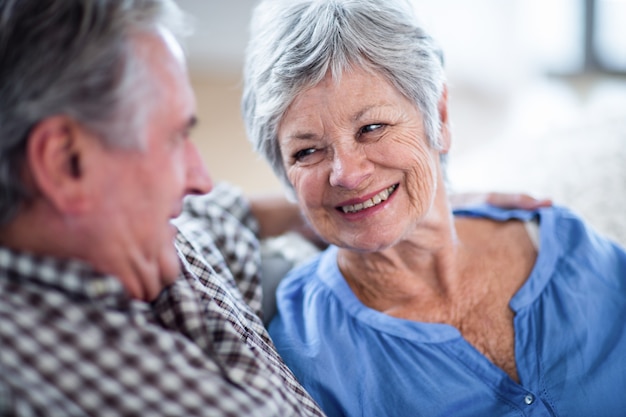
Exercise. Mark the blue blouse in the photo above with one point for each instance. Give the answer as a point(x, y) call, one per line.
point(570, 338)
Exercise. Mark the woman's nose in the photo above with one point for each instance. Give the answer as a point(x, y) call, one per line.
point(350, 167)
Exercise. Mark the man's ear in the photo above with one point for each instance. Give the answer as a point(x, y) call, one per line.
point(56, 156)
point(445, 139)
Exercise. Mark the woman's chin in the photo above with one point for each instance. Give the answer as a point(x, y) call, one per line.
point(366, 245)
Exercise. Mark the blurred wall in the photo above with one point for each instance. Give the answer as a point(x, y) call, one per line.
point(220, 135)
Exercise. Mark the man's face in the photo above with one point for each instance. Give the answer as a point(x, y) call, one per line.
point(143, 188)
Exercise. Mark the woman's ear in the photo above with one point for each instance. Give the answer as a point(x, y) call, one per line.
point(55, 160)
point(445, 139)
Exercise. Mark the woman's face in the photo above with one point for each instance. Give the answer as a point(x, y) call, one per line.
point(359, 160)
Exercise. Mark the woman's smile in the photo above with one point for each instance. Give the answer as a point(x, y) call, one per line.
point(367, 204)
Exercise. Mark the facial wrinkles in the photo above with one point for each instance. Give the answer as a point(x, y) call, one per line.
point(400, 153)
point(413, 155)
point(421, 179)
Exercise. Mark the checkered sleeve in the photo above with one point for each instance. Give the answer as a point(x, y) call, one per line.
point(221, 221)
point(5, 396)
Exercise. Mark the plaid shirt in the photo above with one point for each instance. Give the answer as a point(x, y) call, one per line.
point(73, 343)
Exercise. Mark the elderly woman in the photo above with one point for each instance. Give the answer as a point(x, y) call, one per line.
point(415, 309)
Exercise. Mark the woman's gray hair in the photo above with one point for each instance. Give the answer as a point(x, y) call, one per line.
point(295, 43)
point(73, 58)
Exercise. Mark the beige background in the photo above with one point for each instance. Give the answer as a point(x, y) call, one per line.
point(221, 138)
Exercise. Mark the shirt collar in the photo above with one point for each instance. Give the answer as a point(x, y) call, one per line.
point(72, 276)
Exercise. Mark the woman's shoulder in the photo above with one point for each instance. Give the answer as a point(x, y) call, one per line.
point(306, 305)
point(561, 226)
point(306, 285)
point(310, 272)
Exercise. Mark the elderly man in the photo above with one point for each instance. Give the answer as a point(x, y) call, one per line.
point(97, 316)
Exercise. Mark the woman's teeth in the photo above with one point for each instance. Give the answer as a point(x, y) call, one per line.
point(374, 201)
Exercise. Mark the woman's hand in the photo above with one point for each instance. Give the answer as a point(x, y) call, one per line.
point(503, 200)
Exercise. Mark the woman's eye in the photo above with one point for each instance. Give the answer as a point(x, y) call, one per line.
point(302, 154)
point(370, 128)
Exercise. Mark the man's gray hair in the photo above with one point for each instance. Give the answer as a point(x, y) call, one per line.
point(295, 43)
point(73, 58)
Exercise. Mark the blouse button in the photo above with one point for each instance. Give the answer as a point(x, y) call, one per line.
point(529, 399)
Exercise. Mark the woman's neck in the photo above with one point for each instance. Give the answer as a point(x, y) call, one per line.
point(420, 265)
point(429, 272)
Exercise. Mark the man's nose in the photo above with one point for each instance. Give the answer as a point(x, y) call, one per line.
point(198, 180)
